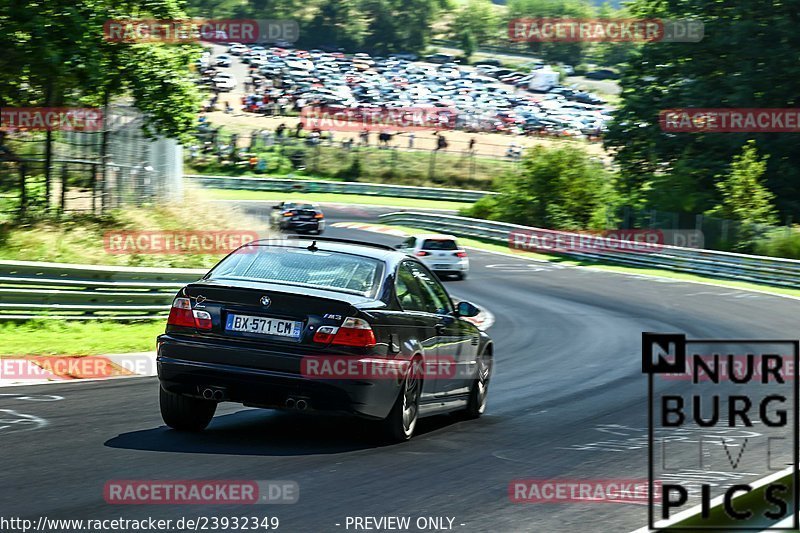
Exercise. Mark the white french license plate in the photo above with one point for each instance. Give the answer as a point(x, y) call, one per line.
point(263, 325)
point(442, 267)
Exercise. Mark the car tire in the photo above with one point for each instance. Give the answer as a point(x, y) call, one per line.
point(461, 276)
point(479, 393)
point(185, 413)
point(399, 426)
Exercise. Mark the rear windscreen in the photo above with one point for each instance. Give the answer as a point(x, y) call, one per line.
point(327, 270)
point(439, 244)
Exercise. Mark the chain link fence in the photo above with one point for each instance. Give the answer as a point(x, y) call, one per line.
point(87, 172)
point(348, 158)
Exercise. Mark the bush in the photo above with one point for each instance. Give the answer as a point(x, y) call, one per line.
point(560, 188)
point(780, 242)
point(352, 172)
point(483, 208)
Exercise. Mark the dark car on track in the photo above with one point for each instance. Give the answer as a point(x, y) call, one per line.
point(298, 217)
point(250, 329)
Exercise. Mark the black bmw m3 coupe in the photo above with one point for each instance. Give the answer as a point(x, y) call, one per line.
point(322, 325)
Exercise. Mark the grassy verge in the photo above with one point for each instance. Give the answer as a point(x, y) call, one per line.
point(644, 271)
point(424, 168)
point(81, 239)
point(51, 337)
point(232, 194)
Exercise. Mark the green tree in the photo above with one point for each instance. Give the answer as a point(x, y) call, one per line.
point(571, 53)
point(467, 43)
point(55, 54)
point(559, 188)
point(58, 53)
point(746, 59)
point(400, 25)
point(744, 197)
point(478, 17)
point(339, 22)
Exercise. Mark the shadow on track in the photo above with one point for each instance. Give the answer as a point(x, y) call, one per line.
point(270, 433)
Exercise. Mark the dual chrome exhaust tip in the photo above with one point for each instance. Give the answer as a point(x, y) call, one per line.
point(300, 404)
point(213, 394)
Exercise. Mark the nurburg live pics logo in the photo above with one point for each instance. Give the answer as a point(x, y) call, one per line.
point(761, 402)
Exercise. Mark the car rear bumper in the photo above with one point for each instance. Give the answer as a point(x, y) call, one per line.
point(461, 266)
point(189, 367)
point(303, 225)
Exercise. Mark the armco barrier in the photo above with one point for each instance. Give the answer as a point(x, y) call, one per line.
point(341, 187)
point(61, 290)
point(741, 267)
point(80, 292)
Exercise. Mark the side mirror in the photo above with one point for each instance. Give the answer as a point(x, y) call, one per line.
point(467, 310)
point(276, 207)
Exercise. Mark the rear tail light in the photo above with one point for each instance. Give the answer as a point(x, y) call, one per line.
point(353, 332)
point(422, 253)
point(202, 319)
point(461, 253)
point(181, 314)
point(319, 215)
point(325, 334)
point(289, 214)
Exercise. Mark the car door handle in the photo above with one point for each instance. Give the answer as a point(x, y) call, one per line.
point(439, 327)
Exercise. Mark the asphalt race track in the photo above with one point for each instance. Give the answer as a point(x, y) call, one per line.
point(567, 400)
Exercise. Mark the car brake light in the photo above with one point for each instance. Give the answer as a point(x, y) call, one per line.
point(461, 253)
point(422, 253)
point(289, 214)
point(319, 215)
point(325, 334)
point(202, 319)
point(181, 313)
point(352, 332)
